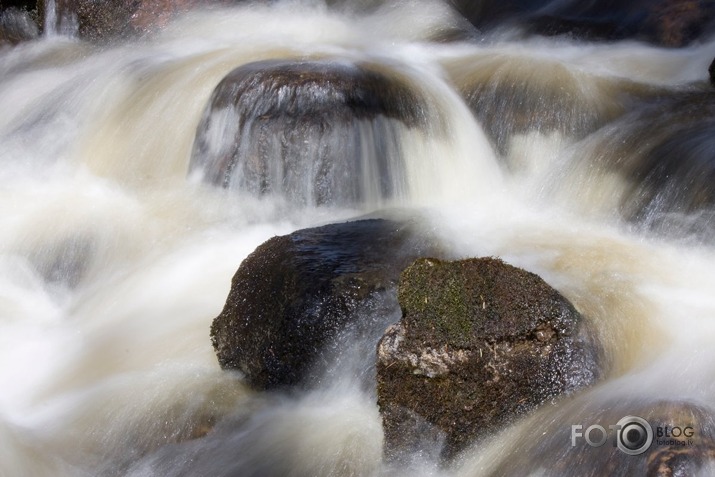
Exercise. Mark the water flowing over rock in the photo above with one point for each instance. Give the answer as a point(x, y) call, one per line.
point(480, 344)
point(65, 261)
point(92, 21)
point(17, 25)
point(513, 95)
point(293, 296)
point(666, 155)
point(315, 132)
point(690, 452)
point(117, 247)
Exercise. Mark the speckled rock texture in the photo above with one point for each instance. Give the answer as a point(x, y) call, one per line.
point(291, 299)
point(480, 344)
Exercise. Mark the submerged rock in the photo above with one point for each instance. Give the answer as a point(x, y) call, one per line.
point(517, 95)
point(666, 153)
point(65, 261)
point(690, 452)
point(293, 296)
point(481, 343)
point(312, 132)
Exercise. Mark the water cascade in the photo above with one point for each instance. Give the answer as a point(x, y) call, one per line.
point(138, 173)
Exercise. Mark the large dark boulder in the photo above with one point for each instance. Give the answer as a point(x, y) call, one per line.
point(292, 298)
point(480, 344)
point(311, 132)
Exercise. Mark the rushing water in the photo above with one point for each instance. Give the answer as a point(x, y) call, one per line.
point(115, 257)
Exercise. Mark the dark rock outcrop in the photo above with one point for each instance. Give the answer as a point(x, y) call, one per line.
point(677, 23)
point(480, 344)
point(103, 21)
point(293, 296)
point(711, 71)
point(315, 132)
point(672, 23)
point(487, 14)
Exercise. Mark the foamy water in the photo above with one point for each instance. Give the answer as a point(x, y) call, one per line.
point(114, 260)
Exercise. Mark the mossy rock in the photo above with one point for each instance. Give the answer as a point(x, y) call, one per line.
point(480, 344)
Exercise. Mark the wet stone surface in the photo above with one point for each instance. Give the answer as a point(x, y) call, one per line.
point(480, 344)
point(294, 295)
point(313, 132)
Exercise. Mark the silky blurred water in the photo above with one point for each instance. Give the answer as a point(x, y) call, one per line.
point(114, 260)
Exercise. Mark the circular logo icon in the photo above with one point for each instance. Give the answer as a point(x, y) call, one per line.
point(634, 435)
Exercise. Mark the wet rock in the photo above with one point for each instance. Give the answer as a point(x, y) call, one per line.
point(66, 261)
point(517, 95)
point(486, 14)
point(665, 153)
point(17, 25)
point(480, 344)
point(23, 5)
point(692, 452)
point(672, 23)
point(315, 132)
point(677, 23)
point(451, 26)
point(711, 71)
point(293, 296)
point(92, 21)
point(104, 21)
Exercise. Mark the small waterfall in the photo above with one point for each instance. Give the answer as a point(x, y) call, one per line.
point(51, 22)
point(313, 133)
point(138, 174)
point(324, 132)
point(59, 21)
